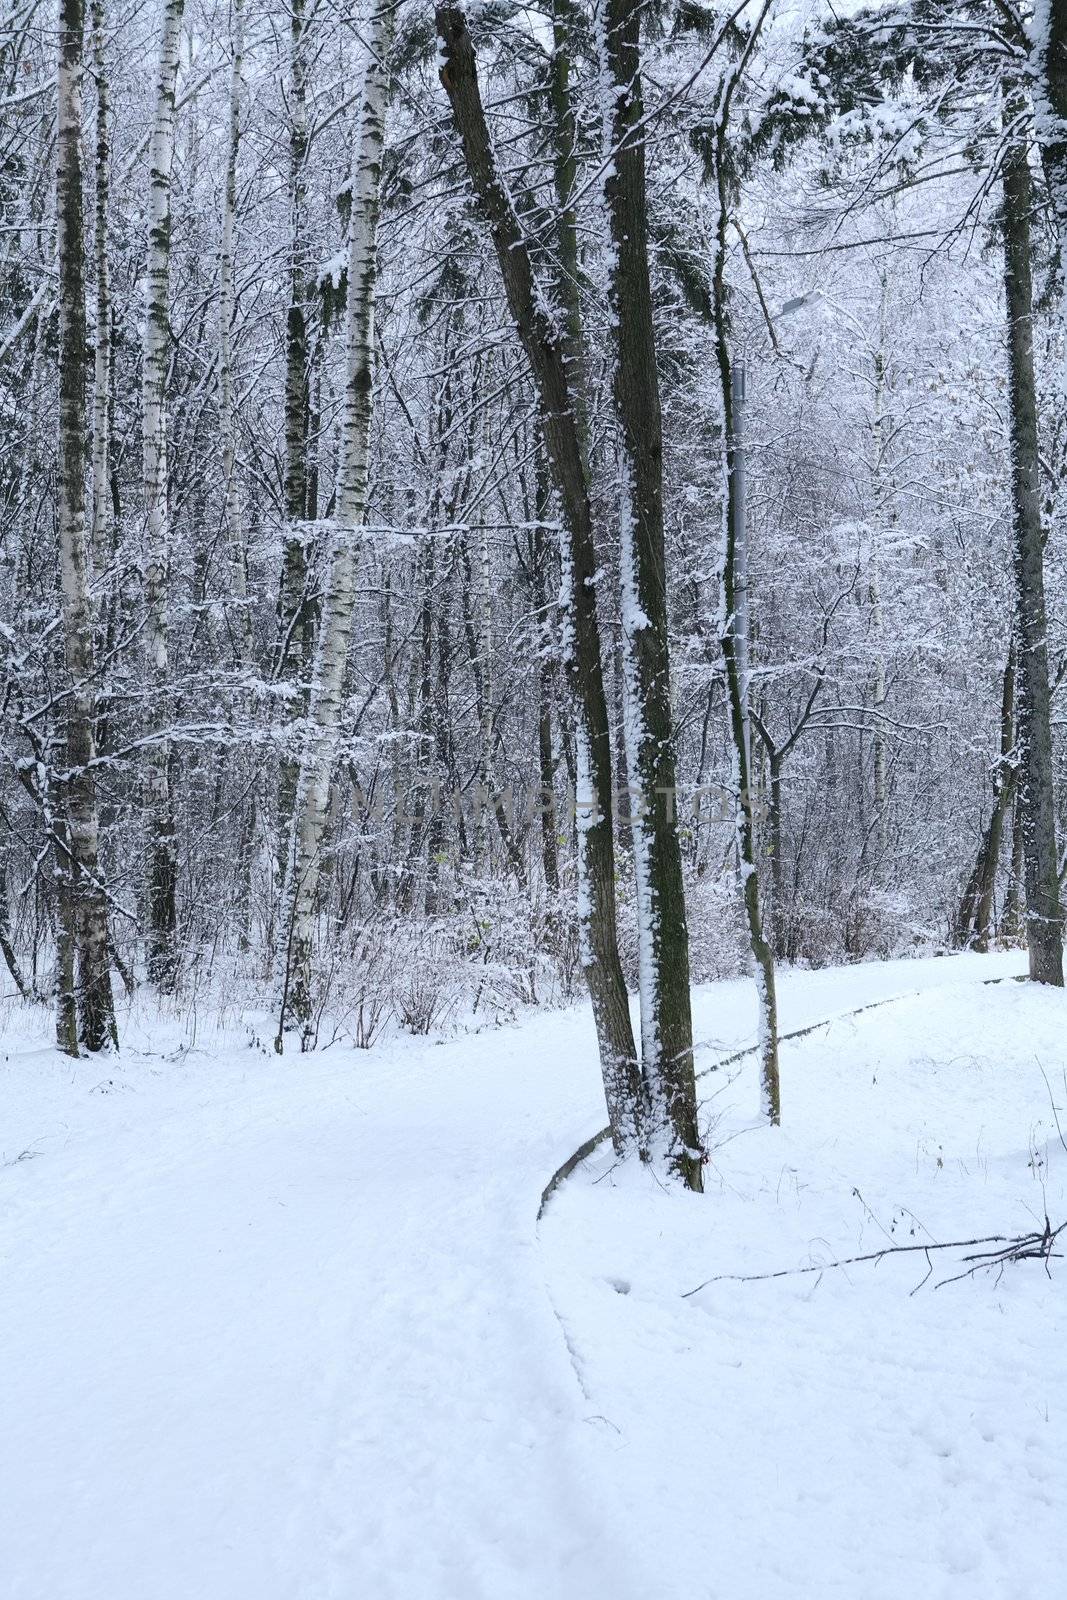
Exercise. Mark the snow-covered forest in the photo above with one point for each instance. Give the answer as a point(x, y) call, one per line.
point(532, 572)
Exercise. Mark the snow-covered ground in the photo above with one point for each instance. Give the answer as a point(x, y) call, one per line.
point(290, 1330)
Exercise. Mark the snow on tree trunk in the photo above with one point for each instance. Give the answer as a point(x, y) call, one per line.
point(1048, 32)
point(565, 179)
point(734, 640)
point(102, 540)
point(547, 355)
point(162, 869)
point(1044, 925)
point(663, 939)
point(296, 624)
point(242, 621)
point(83, 905)
point(485, 709)
point(339, 599)
point(546, 763)
point(882, 493)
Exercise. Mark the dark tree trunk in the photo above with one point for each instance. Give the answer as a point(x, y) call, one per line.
point(1054, 143)
point(547, 358)
point(666, 1015)
point(565, 175)
point(734, 649)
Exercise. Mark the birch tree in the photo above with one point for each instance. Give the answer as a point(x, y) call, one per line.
point(1044, 921)
point(503, 449)
point(163, 863)
point(339, 600)
point(102, 357)
point(227, 306)
point(76, 837)
point(295, 622)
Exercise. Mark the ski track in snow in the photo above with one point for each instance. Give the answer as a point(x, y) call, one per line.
point(282, 1331)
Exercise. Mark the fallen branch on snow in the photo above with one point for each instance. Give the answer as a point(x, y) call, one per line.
point(1037, 1246)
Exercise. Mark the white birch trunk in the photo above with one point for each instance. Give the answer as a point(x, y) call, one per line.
point(295, 633)
point(156, 353)
point(75, 833)
point(339, 598)
point(102, 530)
point(227, 418)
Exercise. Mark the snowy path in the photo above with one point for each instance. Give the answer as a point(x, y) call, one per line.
point(297, 1342)
point(282, 1331)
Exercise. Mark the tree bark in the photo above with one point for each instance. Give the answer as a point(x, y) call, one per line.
point(546, 354)
point(243, 642)
point(546, 763)
point(663, 938)
point(1043, 915)
point(975, 918)
point(83, 903)
point(163, 865)
point(1012, 920)
point(313, 788)
point(1053, 129)
point(734, 649)
point(882, 497)
point(565, 178)
point(6, 946)
point(295, 619)
point(102, 540)
point(774, 829)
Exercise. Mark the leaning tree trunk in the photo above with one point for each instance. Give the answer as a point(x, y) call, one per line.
point(546, 352)
point(663, 938)
point(84, 908)
point(1043, 917)
point(162, 871)
point(339, 602)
